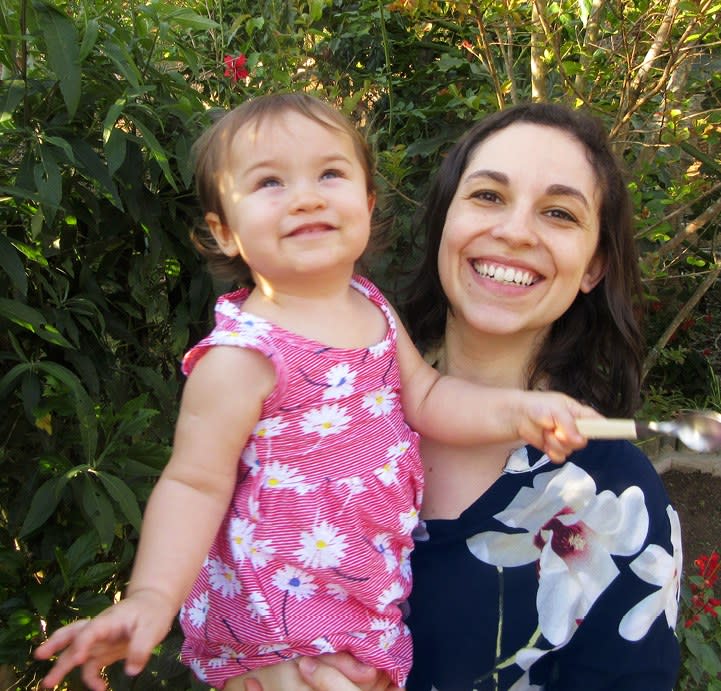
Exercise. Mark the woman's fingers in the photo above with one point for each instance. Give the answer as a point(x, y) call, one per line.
point(323, 677)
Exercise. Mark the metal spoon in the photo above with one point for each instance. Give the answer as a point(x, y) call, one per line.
point(700, 430)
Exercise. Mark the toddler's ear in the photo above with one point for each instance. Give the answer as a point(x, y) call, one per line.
point(223, 235)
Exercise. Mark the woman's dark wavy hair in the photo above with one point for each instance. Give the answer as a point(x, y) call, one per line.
point(592, 352)
point(211, 151)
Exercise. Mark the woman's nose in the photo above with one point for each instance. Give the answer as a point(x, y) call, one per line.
point(517, 227)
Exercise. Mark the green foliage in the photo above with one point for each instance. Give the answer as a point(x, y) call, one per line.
point(101, 291)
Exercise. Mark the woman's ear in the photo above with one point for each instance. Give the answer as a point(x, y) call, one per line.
point(595, 271)
point(224, 236)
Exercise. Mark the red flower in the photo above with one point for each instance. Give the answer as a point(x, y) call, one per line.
point(235, 67)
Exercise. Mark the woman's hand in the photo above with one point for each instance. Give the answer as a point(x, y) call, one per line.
point(332, 672)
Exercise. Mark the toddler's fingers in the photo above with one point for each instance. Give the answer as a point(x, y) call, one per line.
point(60, 639)
point(142, 641)
point(91, 675)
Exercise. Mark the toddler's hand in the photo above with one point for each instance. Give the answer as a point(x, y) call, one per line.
point(546, 420)
point(129, 630)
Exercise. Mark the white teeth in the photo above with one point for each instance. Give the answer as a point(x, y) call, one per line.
point(504, 275)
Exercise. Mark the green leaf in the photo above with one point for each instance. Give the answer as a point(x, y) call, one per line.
point(29, 318)
point(123, 497)
point(61, 39)
point(190, 20)
point(12, 265)
point(98, 510)
point(7, 383)
point(84, 408)
point(123, 61)
point(95, 170)
point(90, 37)
point(13, 96)
point(43, 504)
point(156, 150)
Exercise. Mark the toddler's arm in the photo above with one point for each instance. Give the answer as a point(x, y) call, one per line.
point(221, 404)
point(455, 411)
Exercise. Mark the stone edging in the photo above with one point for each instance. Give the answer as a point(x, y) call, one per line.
point(669, 458)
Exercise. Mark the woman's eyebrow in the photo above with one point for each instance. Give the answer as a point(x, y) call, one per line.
point(499, 177)
point(567, 190)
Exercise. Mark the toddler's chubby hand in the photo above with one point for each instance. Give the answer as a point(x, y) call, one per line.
point(129, 630)
point(547, 420)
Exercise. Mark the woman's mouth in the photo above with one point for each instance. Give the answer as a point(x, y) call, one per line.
point(505, 274)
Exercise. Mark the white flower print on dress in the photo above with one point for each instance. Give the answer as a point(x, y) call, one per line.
point(222, 577)
point(379, 348)
point(226, 655)
point(250, 458)
point(354, 484)
point(279, 476)
point(260, 552)
point(272, 648)
point(240, 535)
point(257, 606)
point(379, 402)
point(398, 450)
point(197, 669)
point(197, 613)
point(392, 594)
point(382, 545)
point(326, 420)
point(388, 638)
point(337, 591)
point(321, 548)
point(269, 427)
point(404, 565)
point(323, 645)
point(656, 566)
point(571, 532)
point(409, 520)
point(340, 381)
point(295, 582)
point(388, 472)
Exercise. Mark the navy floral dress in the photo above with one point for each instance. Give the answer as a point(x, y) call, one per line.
point(558, 578)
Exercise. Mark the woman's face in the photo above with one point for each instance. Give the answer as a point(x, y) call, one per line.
point(521, 232)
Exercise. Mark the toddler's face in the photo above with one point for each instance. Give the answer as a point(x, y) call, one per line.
point(296, 203)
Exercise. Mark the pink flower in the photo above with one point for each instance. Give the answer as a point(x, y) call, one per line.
point(235, 67)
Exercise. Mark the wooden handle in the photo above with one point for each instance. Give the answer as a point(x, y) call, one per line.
point(607, 428)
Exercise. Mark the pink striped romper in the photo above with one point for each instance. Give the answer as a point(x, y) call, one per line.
point(313, 553)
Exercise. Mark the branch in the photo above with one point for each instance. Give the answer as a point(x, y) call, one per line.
point(690, 229)
point(654, 353)
point(538, 66)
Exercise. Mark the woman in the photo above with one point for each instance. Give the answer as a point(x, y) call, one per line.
point(532, 575)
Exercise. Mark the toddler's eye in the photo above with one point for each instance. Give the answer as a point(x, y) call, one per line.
point(330, 174)
point(269, 182)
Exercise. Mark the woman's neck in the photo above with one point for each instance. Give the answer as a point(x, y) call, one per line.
point(489, 359)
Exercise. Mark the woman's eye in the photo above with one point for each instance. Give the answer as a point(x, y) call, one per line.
point(485, 195)
point(562, 215)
